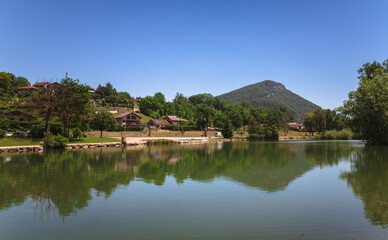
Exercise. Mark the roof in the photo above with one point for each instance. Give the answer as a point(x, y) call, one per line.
point(28, 88)
point(159, 122)
point(175, 119)
point(25, 114)
point(41, 83)
point(125, 114)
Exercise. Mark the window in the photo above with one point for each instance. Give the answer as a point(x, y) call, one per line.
point(21, 119)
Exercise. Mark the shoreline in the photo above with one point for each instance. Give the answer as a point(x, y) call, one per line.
point(132, 141)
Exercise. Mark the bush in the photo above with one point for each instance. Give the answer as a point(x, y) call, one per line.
point(37, 131)
point(181, 128)
point(120, 128)
point(54, 141)
point(77, 133)
point(344, 134)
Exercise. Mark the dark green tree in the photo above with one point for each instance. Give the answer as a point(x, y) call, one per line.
point(367, 107)
point(227, 129)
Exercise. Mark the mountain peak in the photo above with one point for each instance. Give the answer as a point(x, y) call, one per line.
point(269, 93)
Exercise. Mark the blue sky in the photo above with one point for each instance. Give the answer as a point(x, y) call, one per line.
point(204, 46)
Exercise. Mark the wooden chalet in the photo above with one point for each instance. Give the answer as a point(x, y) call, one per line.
point(130, 119)
point(158, 123)
point(173, 120)
point(19, 116)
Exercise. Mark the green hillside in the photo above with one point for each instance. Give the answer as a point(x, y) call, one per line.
point(271, 94)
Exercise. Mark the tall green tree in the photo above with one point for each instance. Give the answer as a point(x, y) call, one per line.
point(73, 99)
point(319, 119)
point(102, 120)
point(227, 129)
point(368, 105)
point(308, 122)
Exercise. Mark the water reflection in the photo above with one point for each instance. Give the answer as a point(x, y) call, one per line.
point(65, 182)
point(369, 180)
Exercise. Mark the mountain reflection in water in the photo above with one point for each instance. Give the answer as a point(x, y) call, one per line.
point(65, 182)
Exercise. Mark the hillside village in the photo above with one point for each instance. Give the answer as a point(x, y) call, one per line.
point(69, 108)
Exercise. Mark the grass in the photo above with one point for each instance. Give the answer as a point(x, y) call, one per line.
point(93, 140)
point(12, 142)
point(144, 119)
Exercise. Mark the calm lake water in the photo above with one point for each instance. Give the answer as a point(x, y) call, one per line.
point(287, 190)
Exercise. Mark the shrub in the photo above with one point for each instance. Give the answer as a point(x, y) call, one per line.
point(181, 128)
point(54, 141)
point(37, 131)
point(77, 133)
point(344, 134)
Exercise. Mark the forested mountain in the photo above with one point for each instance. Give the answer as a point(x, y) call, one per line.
point(271, 94)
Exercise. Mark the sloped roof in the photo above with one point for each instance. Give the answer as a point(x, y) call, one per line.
point(41, 83)
point(160, 122)
point(20, 112)
point(28, 88)
point(175, 119)
point(125, 114)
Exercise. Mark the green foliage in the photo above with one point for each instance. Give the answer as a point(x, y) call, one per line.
point(270, 94)
point(5, 82)
point(77, 133)
point(54, 141)
point(319, 119)
point(265, 132)
point(37, 131)
point(367, 106)
point(103, 120)
point(73, 99)
point(227, 129)
point(181, 128)
point(20, 82)
point(344, 134)
point(204, 115)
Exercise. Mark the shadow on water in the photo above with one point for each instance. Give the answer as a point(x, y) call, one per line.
point(65, 182)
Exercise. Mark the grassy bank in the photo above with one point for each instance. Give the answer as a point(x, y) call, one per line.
point(11, 142)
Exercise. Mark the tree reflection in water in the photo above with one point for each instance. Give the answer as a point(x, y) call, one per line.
point(65, 182)
point(369, 180)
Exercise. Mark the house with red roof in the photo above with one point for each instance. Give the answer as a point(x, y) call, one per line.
point(158, 123)
point(174, 120)
point(27, 89)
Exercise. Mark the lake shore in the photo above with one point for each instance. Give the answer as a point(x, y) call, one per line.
point(130, 141)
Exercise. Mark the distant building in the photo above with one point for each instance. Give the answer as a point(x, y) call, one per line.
point(297, 126)
point(158, 123)
point(174, 120)
point(19, 116)
point(27, 89)
point(41, 84)
point(128, 118)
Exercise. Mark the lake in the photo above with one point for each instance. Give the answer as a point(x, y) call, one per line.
point(239, 190)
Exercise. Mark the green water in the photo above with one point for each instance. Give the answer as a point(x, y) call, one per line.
point(291, 190)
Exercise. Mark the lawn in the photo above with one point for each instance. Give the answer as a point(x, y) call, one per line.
point(94, 140)
point(10, 142)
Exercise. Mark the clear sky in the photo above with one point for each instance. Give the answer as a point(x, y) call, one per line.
point(196, 46)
